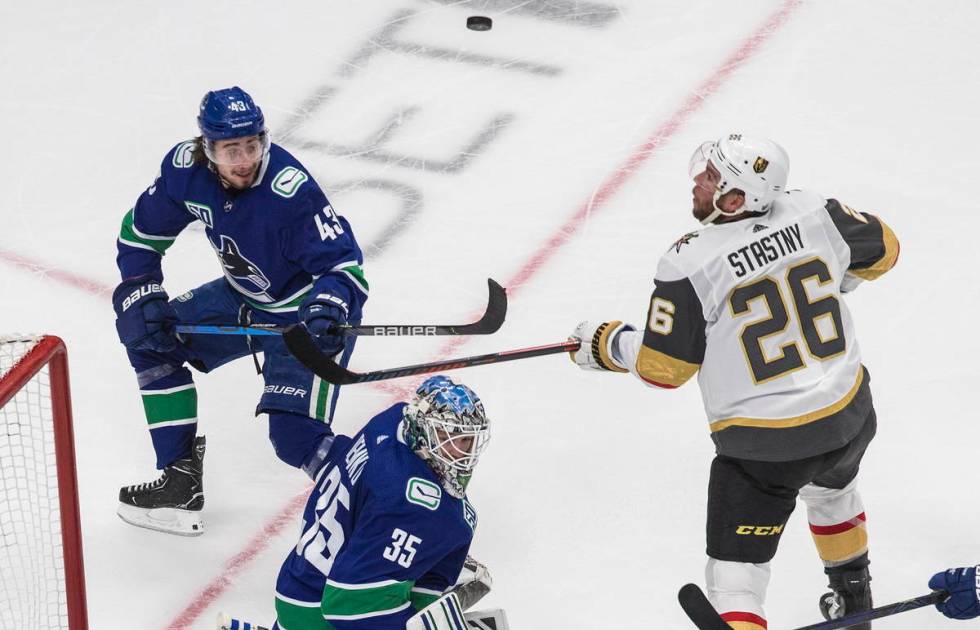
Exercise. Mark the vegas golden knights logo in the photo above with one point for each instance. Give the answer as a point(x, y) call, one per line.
point(760, 164)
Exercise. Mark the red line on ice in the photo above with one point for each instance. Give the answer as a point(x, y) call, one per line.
point(556, 241)
point(65, 277)
point(237, 565)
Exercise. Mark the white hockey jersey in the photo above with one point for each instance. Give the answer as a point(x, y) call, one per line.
point(754, 306)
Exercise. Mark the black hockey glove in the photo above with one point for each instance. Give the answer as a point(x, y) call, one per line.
point(322, 314)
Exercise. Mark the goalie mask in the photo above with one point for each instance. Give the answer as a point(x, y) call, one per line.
point(755, 166)
point(446, 425)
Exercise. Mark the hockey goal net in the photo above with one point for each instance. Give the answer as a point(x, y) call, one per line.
point(42, 582)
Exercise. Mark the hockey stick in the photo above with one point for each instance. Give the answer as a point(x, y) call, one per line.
point(489, 323)
point(303, 348)
point(227, 622)
point(705, 617)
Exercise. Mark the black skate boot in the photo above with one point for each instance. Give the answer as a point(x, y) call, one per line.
point(850, 593)
point(172, 503)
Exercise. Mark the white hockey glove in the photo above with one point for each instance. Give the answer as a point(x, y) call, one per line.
point(473, 584)
point(596, 350)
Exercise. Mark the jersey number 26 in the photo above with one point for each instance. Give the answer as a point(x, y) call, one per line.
point(821, 344)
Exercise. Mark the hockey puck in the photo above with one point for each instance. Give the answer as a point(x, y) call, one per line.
point(479, 23)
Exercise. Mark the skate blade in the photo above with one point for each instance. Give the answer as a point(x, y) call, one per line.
point(168, 520)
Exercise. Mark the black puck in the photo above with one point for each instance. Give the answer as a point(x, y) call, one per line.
point(479, 23)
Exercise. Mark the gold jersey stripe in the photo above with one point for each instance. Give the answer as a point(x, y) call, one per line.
point(887, 261)
point(837, 548)
point(787, 423)
point(661, 368)
point(745, 625)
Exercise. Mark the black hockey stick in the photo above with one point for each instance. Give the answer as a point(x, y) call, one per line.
point(700, 611)
point(303, 348)
point(489, 323)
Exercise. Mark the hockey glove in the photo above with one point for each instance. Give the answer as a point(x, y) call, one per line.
point(596, 350)
point(321, 315)
point(964, 592)
point(144, 317)
point(473, 584)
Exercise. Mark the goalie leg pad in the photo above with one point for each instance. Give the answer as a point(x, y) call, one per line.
point(493, 619)
point(443, 614)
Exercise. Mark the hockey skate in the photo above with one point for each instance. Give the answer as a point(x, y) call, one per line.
point(850, 593)
point(172, 503)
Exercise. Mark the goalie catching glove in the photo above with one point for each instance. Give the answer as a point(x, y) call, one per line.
point(596, 351)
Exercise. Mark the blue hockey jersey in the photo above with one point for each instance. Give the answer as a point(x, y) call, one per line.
point(379, 535)
point(276, 241)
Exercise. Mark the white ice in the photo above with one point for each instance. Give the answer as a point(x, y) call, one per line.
point(592, 494)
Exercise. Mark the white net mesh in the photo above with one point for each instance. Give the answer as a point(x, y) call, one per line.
point(32, 572)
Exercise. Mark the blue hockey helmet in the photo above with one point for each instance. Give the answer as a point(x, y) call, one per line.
point(445, 423)
point(229, 113)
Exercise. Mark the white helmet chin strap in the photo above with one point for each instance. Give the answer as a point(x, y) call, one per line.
point(718, 212)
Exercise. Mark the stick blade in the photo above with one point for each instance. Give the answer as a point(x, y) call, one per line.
point(699, 610)
point(301, 345)
point(493, 317)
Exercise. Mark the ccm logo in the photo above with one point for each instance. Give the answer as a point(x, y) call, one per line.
point(285, 391)
point(759, 530)
point(143, 291)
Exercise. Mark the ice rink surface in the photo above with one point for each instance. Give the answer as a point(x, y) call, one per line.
point(549, 153)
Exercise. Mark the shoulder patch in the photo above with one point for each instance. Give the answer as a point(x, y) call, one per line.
point(201, 211)
point(682, 241)
point(469, 513)
point(423, 492)
point(287, 182)
point(184, 155)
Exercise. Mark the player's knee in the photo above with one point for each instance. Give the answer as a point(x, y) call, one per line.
point(827, 506)
point(295, 438)
point(737, 586)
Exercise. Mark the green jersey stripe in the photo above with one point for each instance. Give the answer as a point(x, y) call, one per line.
point(129, 235)
point(322, 400)
point(290, 303)
point(420, 599)
point(178, 405)
point(357, 274)
point(294, 614)
point(355, 602)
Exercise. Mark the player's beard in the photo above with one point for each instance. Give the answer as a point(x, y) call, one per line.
point(240, 177)
point(701, 209)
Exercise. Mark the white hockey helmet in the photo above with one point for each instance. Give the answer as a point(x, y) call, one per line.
point(756, 166)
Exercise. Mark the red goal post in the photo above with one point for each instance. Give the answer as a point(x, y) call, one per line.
point(42, 578)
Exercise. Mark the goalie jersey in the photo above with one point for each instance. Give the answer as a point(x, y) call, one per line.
point(381, 538)
point(754, 308)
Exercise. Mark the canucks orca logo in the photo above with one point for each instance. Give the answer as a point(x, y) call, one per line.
point(241, 270)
